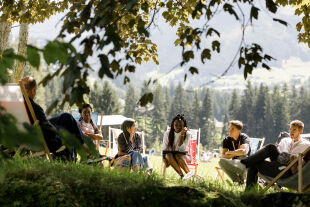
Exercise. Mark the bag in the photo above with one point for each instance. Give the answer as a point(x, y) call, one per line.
point(122, 163)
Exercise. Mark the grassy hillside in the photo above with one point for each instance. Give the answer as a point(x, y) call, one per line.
point(43, 183)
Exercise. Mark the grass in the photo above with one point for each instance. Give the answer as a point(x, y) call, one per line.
point(37, 182)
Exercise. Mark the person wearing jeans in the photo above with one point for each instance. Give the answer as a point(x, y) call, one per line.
point(129, 142)
point(280, 156)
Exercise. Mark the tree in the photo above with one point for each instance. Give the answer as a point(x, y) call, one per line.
point(233, 105)
point(104, 99)
point(280, 111)
point(180, 103)
point(268, 124)
point(195, 111)
point(124, 40)
point(130, 102)
point(158, 114)
point(245, 110)
point(225, 125)
point(207, 120)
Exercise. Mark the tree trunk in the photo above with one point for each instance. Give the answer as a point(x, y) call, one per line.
point(5, 30)
point(22, 47)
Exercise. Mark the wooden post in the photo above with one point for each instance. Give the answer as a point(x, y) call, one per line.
point(299, 173)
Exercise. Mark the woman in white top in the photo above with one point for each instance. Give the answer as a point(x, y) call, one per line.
point(175, 145)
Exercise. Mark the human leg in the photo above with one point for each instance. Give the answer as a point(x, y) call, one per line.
point(271, 169)
point(66, 121)
point(232, 169)
point(136, 160)
point(269, 151)
point(180, 158)
point(172, 161)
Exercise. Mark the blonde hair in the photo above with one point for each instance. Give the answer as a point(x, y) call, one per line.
point(298, 124)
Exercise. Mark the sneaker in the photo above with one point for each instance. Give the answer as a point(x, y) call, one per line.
point(188, 176)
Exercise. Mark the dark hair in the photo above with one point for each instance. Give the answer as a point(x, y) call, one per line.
point(127, 124)
point(179, 117)
point(84, 106)
point(29, 82)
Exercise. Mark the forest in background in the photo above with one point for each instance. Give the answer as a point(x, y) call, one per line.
point(265, 111)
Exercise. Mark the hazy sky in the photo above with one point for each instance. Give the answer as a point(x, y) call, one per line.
point(277, 40)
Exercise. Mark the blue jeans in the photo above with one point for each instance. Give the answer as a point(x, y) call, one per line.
point(137, 159)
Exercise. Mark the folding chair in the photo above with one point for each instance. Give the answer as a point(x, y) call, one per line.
point(255, 144)
point(300, 181)
point(95, 116)
point(11, 98)
point(193, 152)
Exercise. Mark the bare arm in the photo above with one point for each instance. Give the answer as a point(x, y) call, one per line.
point(225, 154)
point(239, 152)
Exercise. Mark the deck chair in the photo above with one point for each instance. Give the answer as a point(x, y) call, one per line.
point(300, 181)
point(193, 152)
point(255, 144)
point(11, 98)
point(113, 135)
point(95, 116)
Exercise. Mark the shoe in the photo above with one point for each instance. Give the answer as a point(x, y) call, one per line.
point(188, 176)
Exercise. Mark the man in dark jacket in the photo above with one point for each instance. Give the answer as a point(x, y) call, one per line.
point(64, 121)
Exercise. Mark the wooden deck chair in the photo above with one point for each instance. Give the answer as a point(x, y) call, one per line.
point(11, 98)
point(113, 135)
point(95, 116)
point(255, 144)
point(193, 152)
point(300, 181)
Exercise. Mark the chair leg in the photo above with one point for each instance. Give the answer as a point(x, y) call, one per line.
point(163, 169)
point(220, 173)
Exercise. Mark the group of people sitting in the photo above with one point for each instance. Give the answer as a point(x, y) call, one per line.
point(235, 156)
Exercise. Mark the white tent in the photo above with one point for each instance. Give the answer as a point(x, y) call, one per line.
point(109, 120)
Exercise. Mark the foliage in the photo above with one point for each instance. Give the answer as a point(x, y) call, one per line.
point(124, 37)
point(33, 11)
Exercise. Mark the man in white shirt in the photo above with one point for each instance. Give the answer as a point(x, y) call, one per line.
point(280, 156)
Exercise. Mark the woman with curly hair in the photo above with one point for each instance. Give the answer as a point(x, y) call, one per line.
point(175, 145)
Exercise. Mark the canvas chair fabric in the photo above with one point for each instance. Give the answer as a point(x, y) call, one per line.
point(193, 152)
point(299, 181)
point(113, 135)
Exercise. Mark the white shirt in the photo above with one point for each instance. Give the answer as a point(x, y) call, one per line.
point(182, 148)
point(294, 148)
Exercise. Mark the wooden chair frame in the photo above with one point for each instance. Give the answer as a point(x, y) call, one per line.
point(297, 160)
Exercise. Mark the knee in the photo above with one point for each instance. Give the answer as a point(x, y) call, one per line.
point(66, 116)
point(169, 156)
point(271, 147)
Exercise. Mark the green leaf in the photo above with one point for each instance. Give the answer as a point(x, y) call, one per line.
point(193, 70)
point(280, 21)
point(211, 30)
point(229, 8)
point(254, 13)
point(145, 99)
point(33, 56)
point(216, 46)
point(206, 53)
point(271, 6)
point(266, 66)
point(188, 55)
point(105, 69)
point(55, 51)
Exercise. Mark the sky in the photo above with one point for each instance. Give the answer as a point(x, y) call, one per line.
point(292, 58)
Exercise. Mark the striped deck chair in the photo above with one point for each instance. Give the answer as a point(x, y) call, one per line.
point(11, 98)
